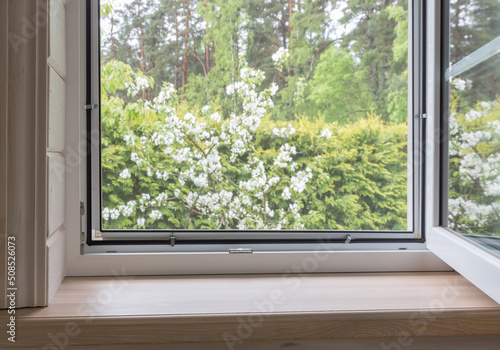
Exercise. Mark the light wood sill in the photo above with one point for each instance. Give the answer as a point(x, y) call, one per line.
point(321, 311)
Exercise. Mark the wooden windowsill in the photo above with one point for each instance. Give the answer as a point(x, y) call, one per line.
point(314, 311)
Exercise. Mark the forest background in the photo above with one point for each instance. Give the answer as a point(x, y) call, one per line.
point(328, 79)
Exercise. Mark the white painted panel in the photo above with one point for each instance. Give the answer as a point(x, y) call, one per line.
point(57, 111)
point(56, 253)
point(57, 37)
point(471, 261)
point(56, 203)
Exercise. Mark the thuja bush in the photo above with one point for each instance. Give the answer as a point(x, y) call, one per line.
point(168, 166)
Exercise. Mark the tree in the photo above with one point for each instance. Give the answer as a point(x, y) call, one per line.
point(371, 42)
point(338, 88)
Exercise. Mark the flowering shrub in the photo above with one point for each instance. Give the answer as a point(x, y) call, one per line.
point(474, 204)
point(280, 58)
point(168, 166)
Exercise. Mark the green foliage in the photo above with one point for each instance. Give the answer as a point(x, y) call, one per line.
point(359, 172)
point(338, 89)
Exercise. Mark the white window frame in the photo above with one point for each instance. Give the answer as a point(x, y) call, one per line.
point(472, 261)
point(411, 239)
point(360, 258)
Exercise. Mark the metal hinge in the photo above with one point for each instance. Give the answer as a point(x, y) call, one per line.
point(91, 106)
point(421, 116)
point(82, 232)
point(172, 239)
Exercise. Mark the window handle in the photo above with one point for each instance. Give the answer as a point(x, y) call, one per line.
point(348, 238)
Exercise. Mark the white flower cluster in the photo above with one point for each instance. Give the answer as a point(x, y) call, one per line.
point(479, 214)
point(125, 174)
point(129, 140)
point(280, 57)
point(135, 158)
point(326, 133)
point(140, 85)
point(194, 146)
point(461, 84)
point(155, 215)
point(285, 156)
point(160, 103)
point(128, 209)
point(284, 132)
point(472, 137)
point(300, 180)
point(112, 214)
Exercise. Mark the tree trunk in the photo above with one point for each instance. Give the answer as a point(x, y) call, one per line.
point(290, 30)
point(186, 43)
point(207, 47)
point(141, 35)
point(176, 69)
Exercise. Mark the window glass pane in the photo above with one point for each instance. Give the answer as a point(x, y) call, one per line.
point(262, 114)
point(474, 159)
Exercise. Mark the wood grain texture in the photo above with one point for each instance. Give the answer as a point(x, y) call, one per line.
point(56, 191)
point(488, 342)
point(55, 269)
point(141, 311)
point(26, 147)
point(57, 37)
point(3, 146)
point(56, 59)
point(57, 112)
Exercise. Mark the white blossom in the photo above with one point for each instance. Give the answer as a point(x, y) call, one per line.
point(205, 109)
point(280, 57)
point(155, 215)
point(135, 158)
point(326, 133)
point(300, 180)
point(129, 140)
point(284, 132)
point(286, 194)
point(105, 214)
point(125, 174)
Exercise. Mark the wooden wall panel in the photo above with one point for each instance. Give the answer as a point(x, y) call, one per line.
point(24, 140)
point(26, 161)
point(55, 146)
point(3, 144)
point(57, 37)
point(56, 176)
point(56, 273)
point(23, 121)
point(57, 111)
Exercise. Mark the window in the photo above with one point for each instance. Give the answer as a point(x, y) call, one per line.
point(229, 122)
point(474, 122)
point(155, 250)
point(471, 194)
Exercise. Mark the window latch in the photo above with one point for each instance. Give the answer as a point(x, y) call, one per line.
point(421, 116)
point(91, 106)
point(240, 251)
point(348, 238)
point(172, 239)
